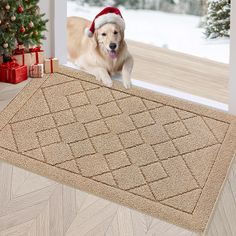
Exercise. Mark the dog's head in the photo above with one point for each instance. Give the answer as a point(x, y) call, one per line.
point(109, 38)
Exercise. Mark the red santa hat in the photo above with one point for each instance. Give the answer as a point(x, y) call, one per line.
point(107, 15)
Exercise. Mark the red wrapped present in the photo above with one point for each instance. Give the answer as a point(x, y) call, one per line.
point(12, 72)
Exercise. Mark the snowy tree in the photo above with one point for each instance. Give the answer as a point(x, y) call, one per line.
point(218, 19)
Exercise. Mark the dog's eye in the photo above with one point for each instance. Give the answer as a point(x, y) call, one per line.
point(115, 32)
point(104, 34)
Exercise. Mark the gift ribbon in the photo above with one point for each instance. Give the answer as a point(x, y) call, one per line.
point(36, 50)
point(51, 64)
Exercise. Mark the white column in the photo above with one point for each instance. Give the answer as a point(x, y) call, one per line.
point(232, 82)
point(55, 44)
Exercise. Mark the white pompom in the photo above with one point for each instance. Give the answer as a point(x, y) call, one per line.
point(88, 33)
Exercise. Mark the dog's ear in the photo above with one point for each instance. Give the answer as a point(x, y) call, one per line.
point(95, 39)
point(122, 33)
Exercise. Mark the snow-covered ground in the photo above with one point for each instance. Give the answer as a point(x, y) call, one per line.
point(176, 32)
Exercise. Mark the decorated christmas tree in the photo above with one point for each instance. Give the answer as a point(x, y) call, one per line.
point(218, 19)
point(20, 24)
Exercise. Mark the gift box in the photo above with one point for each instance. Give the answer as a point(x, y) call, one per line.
point(51, 65)
point(22, 57)
point(36, 71)
point(37, 55)
point(34, 56)
point(12, 72)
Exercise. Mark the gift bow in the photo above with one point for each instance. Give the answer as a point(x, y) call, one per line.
point(18, 51)
point(10, 64)
point(36, 49)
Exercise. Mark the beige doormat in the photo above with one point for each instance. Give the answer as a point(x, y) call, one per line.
point(154, 153)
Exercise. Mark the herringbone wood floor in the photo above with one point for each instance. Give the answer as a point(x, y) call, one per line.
point(33, 205)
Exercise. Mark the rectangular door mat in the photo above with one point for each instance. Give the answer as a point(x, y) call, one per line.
point(157, 154)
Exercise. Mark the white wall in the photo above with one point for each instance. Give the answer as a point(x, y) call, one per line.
point(232, 84)
point(55, 44)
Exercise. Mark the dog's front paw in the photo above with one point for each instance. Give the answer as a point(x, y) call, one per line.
point(127, 84)
point(107, 82)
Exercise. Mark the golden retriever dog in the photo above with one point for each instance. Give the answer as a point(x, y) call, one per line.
point(99, 47)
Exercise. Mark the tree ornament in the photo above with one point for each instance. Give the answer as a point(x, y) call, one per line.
point(36, 33)
point(0, 22)
point(13, 18)
point(5, 45)
point(31, 24)
point(7, 7)
point(20, 9)
point(22, 29)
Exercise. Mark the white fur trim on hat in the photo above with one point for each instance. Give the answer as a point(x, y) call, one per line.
point(88, 33)
point(109, 18)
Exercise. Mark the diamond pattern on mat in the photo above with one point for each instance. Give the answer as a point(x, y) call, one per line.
point(165, 150)
point(57, 95)
point(92, 165)
point(153, 172)
point(130, 139)
point(109, 109)
point(165, 115)
point(78, 99)
point(72, 132)
point(106, 143)
point(48, 136)
point(82, 148)
point(96, 128)
point(172, 186)
point(64, 117)
point(176, 130)
point(150, 149)
point(99, 96)
point(86, 113)
point(154, 134)
point(142, 155)
point(129, 177)
point(57, 152)
point(131, 105)
point(120, 123)
point(117, 160)
point(142, 119)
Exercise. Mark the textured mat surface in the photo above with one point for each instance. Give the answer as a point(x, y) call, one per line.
point(154, 153)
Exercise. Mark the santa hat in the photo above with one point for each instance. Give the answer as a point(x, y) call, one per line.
point(107, 15)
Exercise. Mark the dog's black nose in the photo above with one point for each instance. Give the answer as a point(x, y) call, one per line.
point(112, 46)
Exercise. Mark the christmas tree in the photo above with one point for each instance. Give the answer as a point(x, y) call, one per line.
point(218, 19)
point(20, 24)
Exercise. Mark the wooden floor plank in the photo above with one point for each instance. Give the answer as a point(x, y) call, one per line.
point(198, 76)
